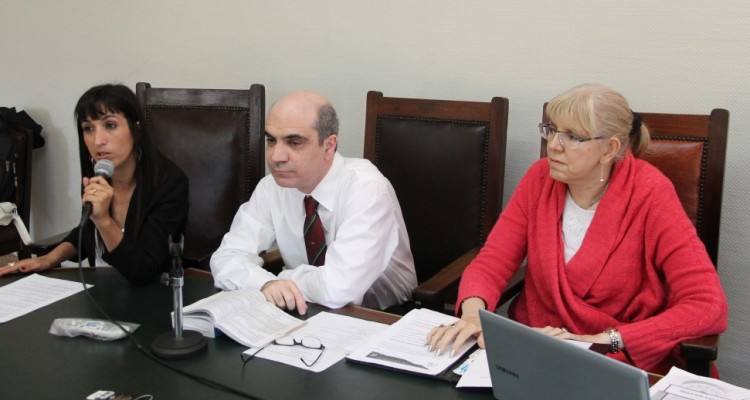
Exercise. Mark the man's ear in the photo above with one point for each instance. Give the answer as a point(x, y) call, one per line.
point(330, 144)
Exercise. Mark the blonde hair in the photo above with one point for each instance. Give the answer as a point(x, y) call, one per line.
point(596, 110)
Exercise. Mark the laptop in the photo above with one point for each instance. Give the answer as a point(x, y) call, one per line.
point(526, 364)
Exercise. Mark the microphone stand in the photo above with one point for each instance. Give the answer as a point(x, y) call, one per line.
point(179, 343)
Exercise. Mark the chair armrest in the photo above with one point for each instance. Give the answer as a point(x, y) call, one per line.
point(199, 256)
point(433, 292)
point(44, 246)
point(199, 273)
point(700, 353)
point(272, 261)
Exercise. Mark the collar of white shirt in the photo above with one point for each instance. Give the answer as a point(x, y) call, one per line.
point(325, 192)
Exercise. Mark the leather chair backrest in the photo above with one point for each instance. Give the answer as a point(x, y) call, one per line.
point(691, 151)
point(216, 137)
point(445, 160)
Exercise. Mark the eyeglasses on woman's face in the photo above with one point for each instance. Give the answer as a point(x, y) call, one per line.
point(568, 140)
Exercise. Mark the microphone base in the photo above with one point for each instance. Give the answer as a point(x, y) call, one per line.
point(167, 346)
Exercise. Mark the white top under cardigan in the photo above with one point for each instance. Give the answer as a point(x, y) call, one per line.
point(575, 222)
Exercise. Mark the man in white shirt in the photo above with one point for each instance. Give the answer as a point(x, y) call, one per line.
point(367, 259)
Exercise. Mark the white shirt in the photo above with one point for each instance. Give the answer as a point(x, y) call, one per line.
point(368, 261)
point(575, 222)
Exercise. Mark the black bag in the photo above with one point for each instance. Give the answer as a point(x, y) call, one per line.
point(8, 156)
point(18, 121)
point(21, 118)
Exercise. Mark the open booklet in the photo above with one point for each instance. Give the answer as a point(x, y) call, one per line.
point(243, 315)
point(402, 347)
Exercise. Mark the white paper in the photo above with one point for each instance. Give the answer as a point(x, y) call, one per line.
point(682, 385)
point(478, 373)
point(403, 346)
point(32, 292)
point(338, 333)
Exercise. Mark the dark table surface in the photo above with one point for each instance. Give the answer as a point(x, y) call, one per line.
point(37, 365)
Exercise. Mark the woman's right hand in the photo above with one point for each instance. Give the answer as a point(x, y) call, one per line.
point(458, 332)
point(99, 193)
point(25, 266)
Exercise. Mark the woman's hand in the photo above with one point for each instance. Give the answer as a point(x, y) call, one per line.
point(563, 333)
point(458, 332)
point(99, 193)
point(25, 266)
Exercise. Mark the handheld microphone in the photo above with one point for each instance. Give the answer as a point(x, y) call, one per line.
point(103, 168)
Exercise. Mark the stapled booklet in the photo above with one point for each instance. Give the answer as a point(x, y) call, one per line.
point(244, 315)
point(402, 347)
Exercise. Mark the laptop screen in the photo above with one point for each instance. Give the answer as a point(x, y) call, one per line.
point(526, 364)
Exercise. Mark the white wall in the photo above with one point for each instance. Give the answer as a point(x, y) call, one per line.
point(683, 56)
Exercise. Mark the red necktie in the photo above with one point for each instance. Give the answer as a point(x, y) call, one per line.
point(315, 240)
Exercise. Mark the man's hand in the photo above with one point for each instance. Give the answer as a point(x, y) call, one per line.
point(285, 294)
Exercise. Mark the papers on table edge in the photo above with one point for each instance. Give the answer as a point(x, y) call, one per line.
point(339, 334)
point(402, 346)
point(680, 385)
point(33, 292)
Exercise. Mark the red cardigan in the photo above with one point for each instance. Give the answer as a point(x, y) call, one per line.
point(641, 267)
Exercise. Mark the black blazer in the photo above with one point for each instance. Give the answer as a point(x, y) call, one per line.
point(142, 256)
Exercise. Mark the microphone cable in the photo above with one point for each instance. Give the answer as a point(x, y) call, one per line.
point(139, 346)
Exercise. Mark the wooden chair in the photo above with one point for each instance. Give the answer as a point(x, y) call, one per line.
point(445, 160)
point(216, 137)
point(691, 150)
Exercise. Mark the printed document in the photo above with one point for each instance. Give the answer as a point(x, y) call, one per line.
point(339, 334)
point(402, 346)
point(682, 385)
point(32, 292)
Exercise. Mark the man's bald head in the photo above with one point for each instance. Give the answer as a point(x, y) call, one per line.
point(306, 107)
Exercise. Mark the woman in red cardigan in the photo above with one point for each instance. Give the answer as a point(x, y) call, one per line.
point(612, 257)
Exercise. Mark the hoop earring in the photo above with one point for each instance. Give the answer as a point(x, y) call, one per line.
point(601, 174)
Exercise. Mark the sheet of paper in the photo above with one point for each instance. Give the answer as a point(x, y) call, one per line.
point(682, 385)
point(583, 345)
point(475, 372)
point(32, 292)
point(338, 333)
point(403, 347)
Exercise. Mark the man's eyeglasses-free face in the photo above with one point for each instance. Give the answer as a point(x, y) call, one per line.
point(307, 342)
point(568, 140)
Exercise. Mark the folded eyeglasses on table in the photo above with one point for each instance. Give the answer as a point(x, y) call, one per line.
point(308, 342)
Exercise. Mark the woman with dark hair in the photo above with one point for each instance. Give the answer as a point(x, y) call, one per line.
point(612, 257)
point(135, 211)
